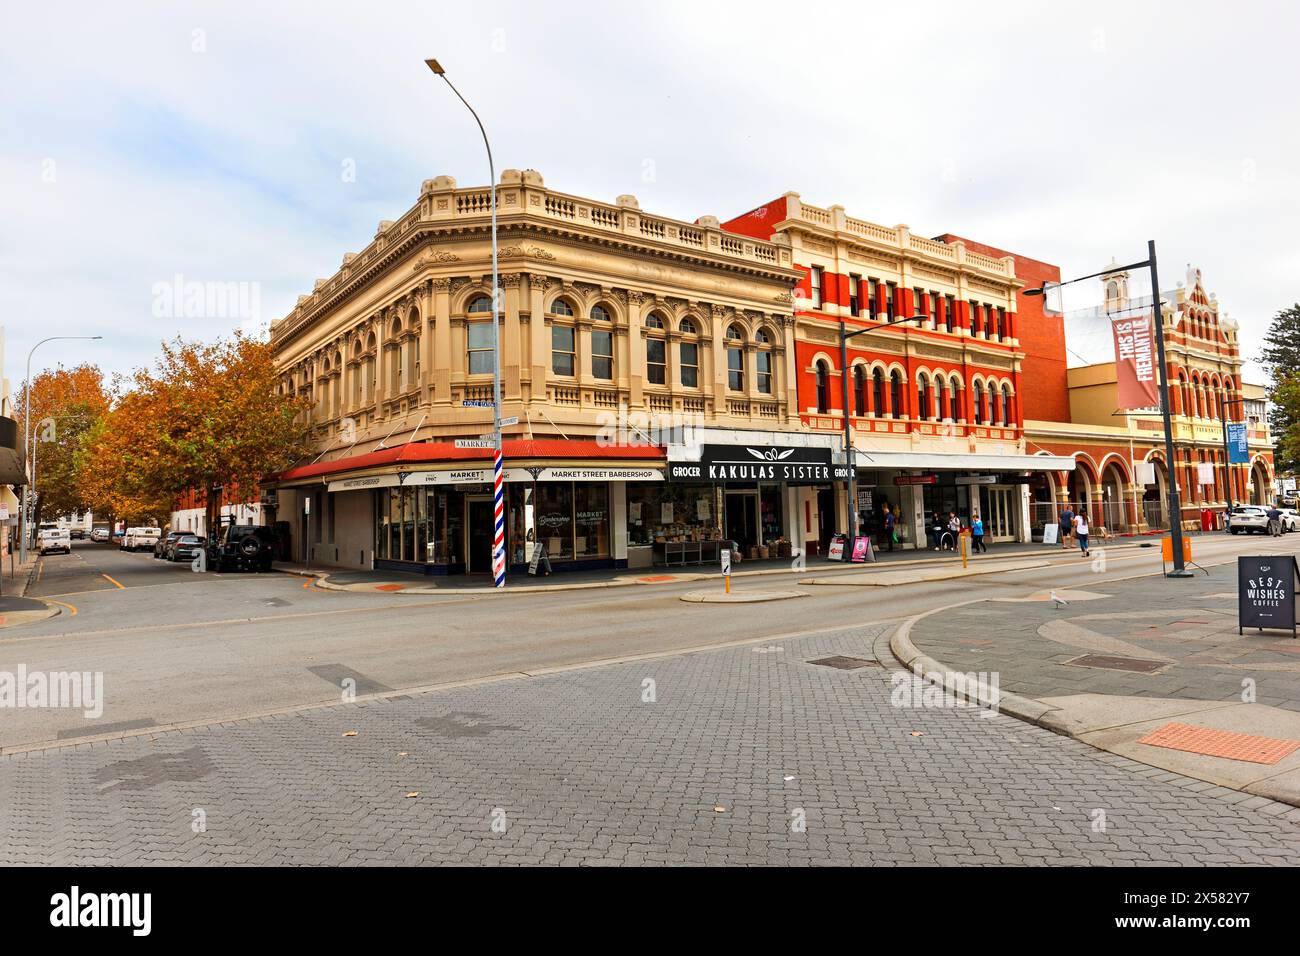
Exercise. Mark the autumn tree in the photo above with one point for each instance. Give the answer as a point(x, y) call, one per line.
point(207, 419)
point(66, 404)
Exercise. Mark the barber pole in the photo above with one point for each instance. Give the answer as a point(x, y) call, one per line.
point(499, 502)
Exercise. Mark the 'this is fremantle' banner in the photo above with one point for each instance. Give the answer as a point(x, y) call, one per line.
point(1135, 362)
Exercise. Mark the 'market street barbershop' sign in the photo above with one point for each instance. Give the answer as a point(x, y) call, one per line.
point(759, 463)
point(1266, 590)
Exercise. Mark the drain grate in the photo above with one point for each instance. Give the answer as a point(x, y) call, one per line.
point(1132, 664)
point(840, 662)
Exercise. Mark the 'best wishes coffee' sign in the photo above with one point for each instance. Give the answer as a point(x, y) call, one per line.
point(1266, 589)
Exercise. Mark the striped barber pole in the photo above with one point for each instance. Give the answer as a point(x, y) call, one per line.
point(499, 502)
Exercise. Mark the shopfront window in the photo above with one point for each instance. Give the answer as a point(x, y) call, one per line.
point(660, 512)
point(591, 519)
point(409, 525)
point(554, 516)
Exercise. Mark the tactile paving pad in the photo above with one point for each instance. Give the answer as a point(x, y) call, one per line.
point(1220, 743)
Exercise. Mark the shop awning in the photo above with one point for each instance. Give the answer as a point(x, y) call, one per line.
point(931, 462)
point(451, 465)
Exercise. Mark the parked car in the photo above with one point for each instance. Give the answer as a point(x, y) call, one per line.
point(1251, 519)
point(54, 539)
point(160, 548)
point(99, 534)
point(242, 548)
point(1290, 519)
point(141, 539)
point(184, 548)
point(77, 534)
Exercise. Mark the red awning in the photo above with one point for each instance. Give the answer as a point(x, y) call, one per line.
point(514, 449)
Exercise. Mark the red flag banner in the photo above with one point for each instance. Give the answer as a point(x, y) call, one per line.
point(1135, 362)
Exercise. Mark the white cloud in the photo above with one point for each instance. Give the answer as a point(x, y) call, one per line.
point(1069, 135)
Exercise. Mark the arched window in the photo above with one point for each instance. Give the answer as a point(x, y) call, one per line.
point(561, 307)
point(878, 392)
point(656, 350)
point(823, 387)
point(954, 400)
point(735, 359)
point(896, 394)
point(602, 345)
point(859, 390)
point(763, 362)
point(688, 353)
point(979, 403)
point(922, 399)
point(1006, 404)
point(480, 303)
point(940, 397)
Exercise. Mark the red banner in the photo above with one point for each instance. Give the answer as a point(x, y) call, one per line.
point(1135, 362)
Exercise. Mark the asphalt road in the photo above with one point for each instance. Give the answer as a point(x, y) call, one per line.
point(175, 646)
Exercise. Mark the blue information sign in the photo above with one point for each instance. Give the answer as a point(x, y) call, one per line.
point(1238, 447)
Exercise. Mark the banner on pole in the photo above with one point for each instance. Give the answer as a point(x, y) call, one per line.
point(1238, 443)
point(1135, 363)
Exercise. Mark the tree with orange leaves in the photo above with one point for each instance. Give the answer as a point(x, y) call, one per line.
point(66, 405)
point(208, 418)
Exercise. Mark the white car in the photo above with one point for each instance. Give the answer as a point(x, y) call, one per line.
point(1290, 519)
point(54, 539)
point(141, 539)
point(99, 534)
point(1251, 519)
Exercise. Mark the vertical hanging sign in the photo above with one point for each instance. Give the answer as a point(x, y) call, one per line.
point(1135, 363)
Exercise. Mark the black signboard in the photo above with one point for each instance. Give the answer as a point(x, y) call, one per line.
point(1266, 589)
point(759, 463)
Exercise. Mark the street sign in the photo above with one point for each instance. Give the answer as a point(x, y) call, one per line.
point(512, 420)
point(477, 403)
point(4, 512)
point(1266, 589)
point(475, 443)
point(726, 560)
point(977, 479)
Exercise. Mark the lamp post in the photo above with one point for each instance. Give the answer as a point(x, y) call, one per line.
point(29, 489)
point(1175, 506)
point(1227, 451)
point(498, 476)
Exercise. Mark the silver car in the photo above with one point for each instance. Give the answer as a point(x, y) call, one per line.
point(1290, 519)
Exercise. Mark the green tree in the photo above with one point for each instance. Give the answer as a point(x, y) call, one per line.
point(1281, 360)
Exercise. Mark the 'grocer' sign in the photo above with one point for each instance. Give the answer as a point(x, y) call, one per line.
point(759, 463)
point(1266, 589)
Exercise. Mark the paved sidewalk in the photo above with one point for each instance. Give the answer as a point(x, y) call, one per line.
point(411, 583)
point(747, 755)
point(1184, 630)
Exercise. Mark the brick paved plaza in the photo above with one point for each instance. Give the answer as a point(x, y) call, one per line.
point(577, 769)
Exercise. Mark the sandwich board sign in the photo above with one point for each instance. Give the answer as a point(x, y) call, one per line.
point(1266, 590)
point(1051, 533)
point(540, 559)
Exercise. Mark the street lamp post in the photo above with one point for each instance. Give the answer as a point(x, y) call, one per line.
point(498, 476)
point(1227, 451)
point(1175, 506)
point(29, 489)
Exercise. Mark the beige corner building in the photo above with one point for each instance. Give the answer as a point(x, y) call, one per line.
point(628, 342)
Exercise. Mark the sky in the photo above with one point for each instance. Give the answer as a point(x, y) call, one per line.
point(147, 144)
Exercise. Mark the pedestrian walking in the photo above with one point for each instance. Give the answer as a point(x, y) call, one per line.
point(890, 536)
point(1067, 526)
point(977, 544)
point(1081, 531)
point(936, 530)
point(954, 528)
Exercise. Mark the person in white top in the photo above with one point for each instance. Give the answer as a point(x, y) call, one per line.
point(1081, 531)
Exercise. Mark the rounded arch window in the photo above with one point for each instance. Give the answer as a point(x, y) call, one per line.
point(656, 351)
point(954, 399)
point(735, 359)
point(896, 393)
point(878, 391)
point(823, 386)
point(735, 334)
point(654, 321)
point(979, 403)
point(600, 313)
point(859, 390)
point(561, 307)
point(762, 337)
point(480, 303)
point(686, 327)
point(763, 362)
